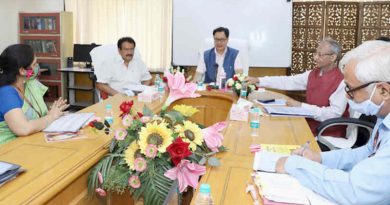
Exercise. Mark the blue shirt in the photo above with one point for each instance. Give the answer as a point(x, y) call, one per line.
point(9, 99)
point(349, 176)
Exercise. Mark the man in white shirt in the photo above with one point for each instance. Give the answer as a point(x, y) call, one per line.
point(122, 70)
point(220, 61)
point(324, 87)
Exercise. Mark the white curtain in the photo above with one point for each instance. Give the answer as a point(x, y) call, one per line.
point(149, 22)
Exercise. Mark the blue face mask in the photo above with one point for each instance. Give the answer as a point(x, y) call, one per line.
point(366, 107)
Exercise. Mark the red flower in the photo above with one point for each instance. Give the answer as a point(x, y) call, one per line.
point(140, 114)
point(125, 107)
point(178, 150)
point(209, 88)
point(165, 79)
point(235, 78)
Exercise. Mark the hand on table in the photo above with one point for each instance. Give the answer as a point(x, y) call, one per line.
point(293, 103)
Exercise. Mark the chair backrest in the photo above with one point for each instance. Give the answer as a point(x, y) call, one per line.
point(239, 44)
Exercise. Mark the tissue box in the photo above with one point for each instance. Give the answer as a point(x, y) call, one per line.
point(238, 113)
point(148, 97)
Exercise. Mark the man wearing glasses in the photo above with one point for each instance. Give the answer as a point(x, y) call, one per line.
point(360, 175)
point(220, 61)
point(122, 70)
point(325, 97)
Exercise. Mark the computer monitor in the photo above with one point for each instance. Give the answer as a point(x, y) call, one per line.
point(81, 53)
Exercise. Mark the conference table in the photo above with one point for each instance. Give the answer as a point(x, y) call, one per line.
point(57, 171)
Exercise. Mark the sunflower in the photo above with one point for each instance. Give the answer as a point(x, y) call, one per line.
point(190, 132)
point(156, 134)
point(131, 153)
point(185, 110)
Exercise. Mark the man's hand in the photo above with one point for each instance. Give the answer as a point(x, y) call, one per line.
point(293, 103)
point(308, 153)
point(252, 80)
point(279, 167)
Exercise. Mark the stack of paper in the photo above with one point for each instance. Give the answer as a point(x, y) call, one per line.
point(8, 171)
point(288, 111)
point(67, 127)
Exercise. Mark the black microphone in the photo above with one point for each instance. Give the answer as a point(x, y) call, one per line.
point(216, 71)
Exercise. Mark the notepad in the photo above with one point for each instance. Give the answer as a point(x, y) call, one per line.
point(69, 123)
point(284, 189)
point(288, 111)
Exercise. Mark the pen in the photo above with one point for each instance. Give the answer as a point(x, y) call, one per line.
point(305, 146)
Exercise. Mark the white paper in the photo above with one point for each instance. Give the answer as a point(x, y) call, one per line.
point(69, 123)
point(266, 161)
point(5, 167)
point(288, 111)
point(242, 103)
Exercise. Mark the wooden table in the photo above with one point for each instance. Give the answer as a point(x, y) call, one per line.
point(57, 172)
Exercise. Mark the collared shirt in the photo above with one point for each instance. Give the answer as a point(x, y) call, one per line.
point(337, 101)
point(350, 176)
point(219, 59)
point(117, 75)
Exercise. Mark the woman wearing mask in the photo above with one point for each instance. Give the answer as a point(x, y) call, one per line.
point(22, 108)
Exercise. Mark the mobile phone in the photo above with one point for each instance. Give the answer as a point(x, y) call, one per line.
point(266, 100)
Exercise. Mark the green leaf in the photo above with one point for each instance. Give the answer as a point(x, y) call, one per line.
point(202, 161)
point(214, 162)
point(147, 111)
point(174, 116)
point(112, 145)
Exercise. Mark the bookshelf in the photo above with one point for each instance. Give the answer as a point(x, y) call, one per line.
point(51, 37)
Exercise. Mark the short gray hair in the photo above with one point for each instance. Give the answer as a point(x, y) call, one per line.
point(334, 46)
point(375, 67)
point(363, 51)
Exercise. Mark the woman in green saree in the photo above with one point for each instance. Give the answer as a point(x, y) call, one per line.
point(22, 108)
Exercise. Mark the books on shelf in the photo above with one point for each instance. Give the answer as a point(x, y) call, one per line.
point(9, 171)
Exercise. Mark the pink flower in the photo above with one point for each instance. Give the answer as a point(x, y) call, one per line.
point(134, 182)
point(127, 120)
point(186, 173)
point(151, 151)
point(179, 88)
point(120, 134)
point(101, 192)
point(145, 119)
point(100, 177)
point(140, 164)
point(212, 135)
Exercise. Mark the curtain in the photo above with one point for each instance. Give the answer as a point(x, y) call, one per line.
point(149, 22)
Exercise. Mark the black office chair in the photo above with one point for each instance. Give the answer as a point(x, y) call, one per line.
point(365, 125)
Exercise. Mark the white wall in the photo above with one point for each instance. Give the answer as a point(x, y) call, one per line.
point(9, 19)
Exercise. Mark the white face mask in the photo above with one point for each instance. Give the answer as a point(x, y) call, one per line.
point(366, 107)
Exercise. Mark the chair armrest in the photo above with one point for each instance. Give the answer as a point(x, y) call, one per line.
point(341, 121)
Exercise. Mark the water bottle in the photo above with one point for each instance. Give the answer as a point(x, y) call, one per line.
point(204, 196)
point(254, 122)
point(244, 90)
point(157, 81)
point(161, 90)
point(109, 117)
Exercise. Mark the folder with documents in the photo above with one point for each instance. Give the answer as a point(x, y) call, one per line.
point(9, 171)
point(288, 111)
point(69, 123)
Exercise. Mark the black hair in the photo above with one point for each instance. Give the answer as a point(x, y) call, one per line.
point(11, 59)
point(383, 38)
point(222, 29)
point(125, 39)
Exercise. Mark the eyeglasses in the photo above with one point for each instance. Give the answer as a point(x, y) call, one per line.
point(350, 90)
point(220, 40)
point(322, 54)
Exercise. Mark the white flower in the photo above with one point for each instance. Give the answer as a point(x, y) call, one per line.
point(241, 77)
point(238, 86)
point(230, 82)
point(252, 87)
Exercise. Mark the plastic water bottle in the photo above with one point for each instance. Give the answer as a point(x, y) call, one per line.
point(244, 90)
point(254, 122)
point(161, 90)
point(204, 196)
point(157, 81)
point(109, 117)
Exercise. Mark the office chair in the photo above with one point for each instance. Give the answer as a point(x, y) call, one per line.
point(356, 137)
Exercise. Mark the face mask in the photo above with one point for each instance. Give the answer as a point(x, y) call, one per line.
point(32, 73)
point(366, 107)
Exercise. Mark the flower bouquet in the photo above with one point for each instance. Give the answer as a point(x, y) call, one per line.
point(151, 151)
point(237, 82)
